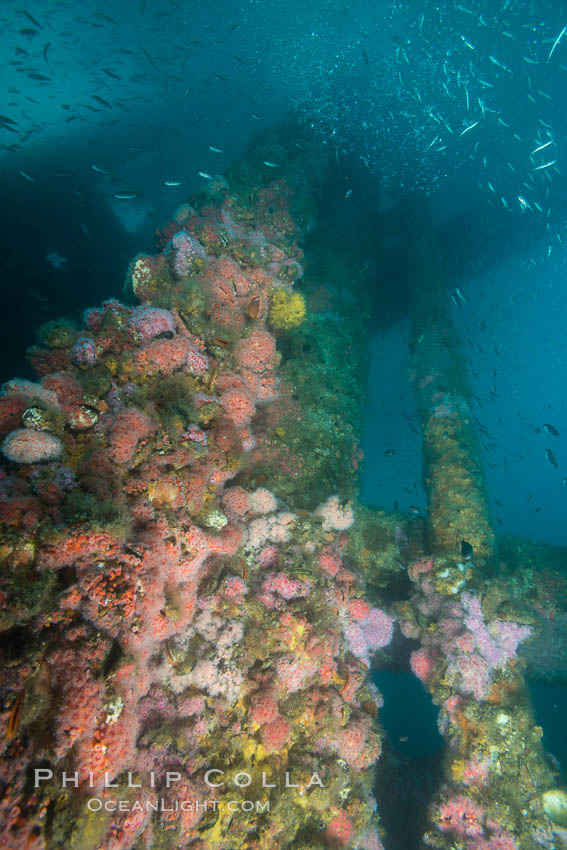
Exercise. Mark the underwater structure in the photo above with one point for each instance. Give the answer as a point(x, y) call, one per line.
point(192, 595)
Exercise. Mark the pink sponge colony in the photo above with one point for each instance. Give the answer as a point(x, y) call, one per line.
point(130, 426)
point(28, 446)
point(150, 322)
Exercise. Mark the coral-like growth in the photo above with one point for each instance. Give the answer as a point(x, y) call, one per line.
point(336, 515)
point(130, 427)
point(26, 445)
point(150, 322)
point(461, 816)
point(187, 252)
point(257, 352)
point(287, 309)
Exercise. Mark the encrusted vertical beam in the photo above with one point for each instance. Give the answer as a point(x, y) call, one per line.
point(497, 783)
point(457, 504)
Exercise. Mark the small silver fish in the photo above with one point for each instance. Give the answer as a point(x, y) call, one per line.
point(271, 164)
point(556, 42)
point(550, 458)
point(468, 44)
point(470, 127)
point(461, 296)
point(542, 147)
point(499, 64)
point(205, 175)
point(172, 183)
point(125, 196)
point(215, 150)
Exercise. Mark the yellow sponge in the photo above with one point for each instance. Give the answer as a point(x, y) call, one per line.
point(287, 309)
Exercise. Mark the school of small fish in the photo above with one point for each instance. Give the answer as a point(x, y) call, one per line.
point(415, 94)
